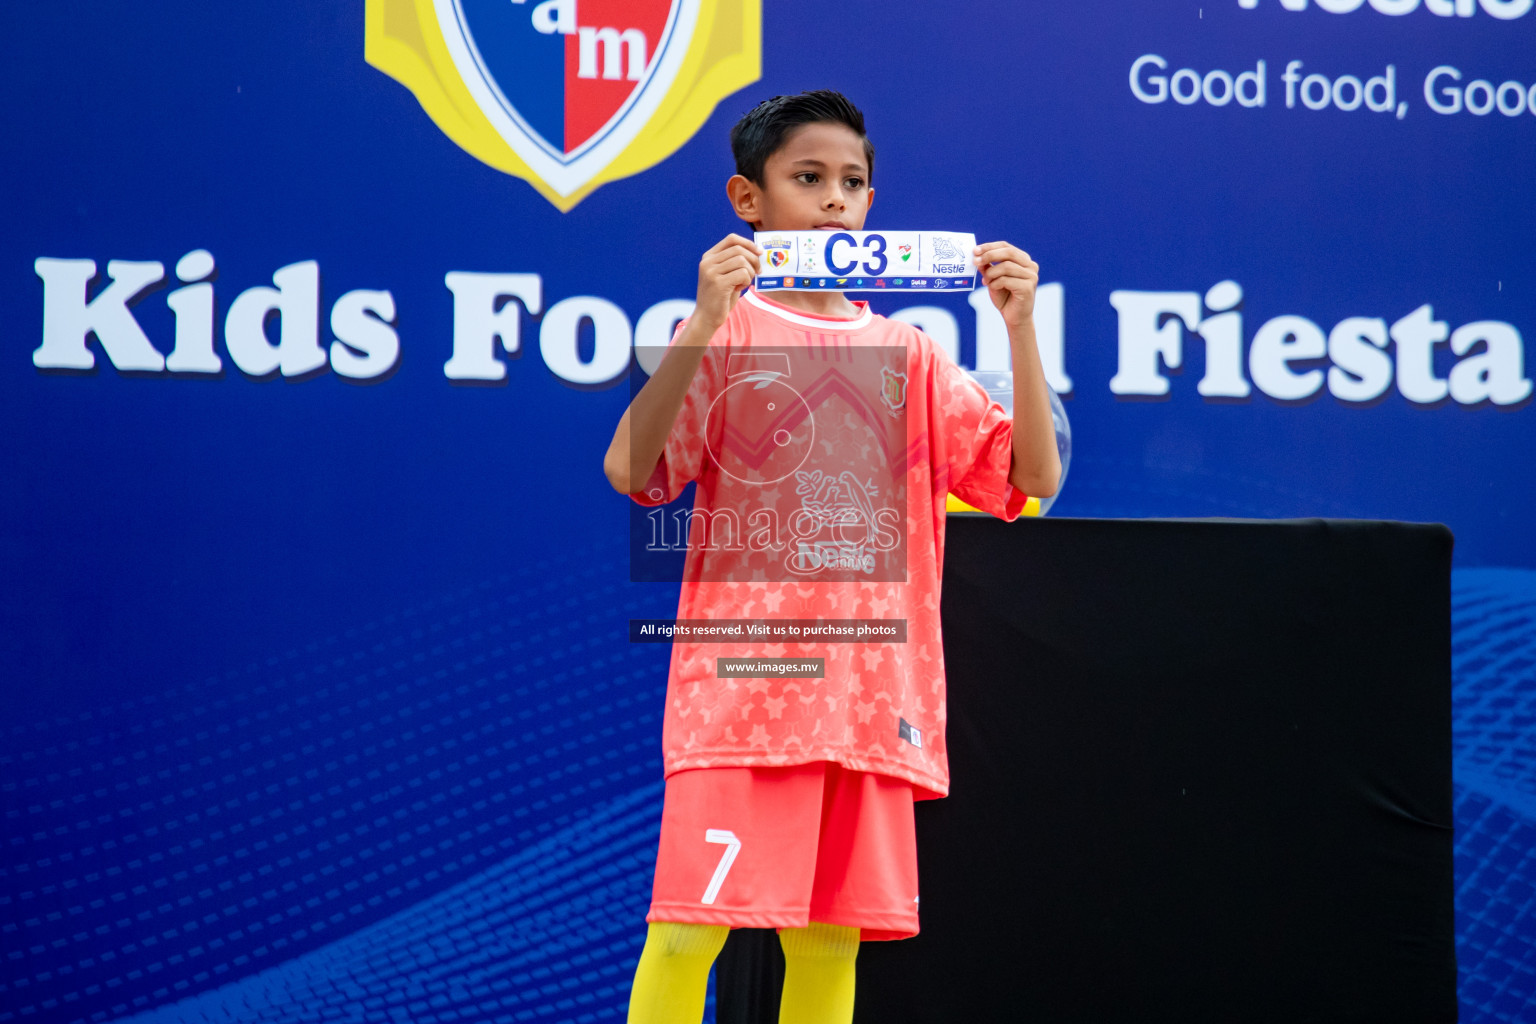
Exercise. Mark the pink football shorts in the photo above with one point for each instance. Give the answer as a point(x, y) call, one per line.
point(782, 847)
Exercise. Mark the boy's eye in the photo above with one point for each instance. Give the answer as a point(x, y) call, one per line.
point(807, 177)
point(854, 184)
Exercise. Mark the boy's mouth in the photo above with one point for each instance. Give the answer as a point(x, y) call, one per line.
point(832, 225)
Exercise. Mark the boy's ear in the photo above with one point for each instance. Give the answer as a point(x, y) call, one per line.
point(746, 198)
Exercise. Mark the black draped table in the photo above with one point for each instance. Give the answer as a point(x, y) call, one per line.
point(1201, 772)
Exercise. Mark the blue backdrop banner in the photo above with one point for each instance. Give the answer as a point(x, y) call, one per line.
point(316, 689)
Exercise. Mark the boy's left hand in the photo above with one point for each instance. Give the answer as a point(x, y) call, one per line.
point(1010, 276)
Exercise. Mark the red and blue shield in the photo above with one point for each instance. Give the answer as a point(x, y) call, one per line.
point(567, 93)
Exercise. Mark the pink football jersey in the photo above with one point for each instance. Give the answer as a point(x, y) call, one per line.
point(822, 450)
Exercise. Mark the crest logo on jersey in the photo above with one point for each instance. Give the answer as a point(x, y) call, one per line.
point(893, 389)
point(567, 94)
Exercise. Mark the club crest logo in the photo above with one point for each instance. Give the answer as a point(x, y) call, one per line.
point(776, 251)
point(893, 389)
point(567, 94)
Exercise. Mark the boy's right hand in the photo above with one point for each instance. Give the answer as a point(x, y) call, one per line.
point(724, 272)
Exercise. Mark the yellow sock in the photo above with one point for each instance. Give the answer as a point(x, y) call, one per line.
point(818, 974)
point(673, 975)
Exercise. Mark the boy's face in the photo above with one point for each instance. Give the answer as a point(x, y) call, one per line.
point(817, 179)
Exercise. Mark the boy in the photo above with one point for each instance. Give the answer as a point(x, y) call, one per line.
point(789, 800)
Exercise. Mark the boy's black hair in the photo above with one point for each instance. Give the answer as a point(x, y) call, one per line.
point(763, 129)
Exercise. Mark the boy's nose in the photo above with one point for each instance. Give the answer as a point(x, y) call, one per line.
point(834, 200)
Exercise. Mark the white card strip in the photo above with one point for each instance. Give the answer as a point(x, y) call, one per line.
point(868, 261)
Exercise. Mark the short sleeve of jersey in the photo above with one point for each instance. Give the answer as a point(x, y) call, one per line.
point(683, 456)
point(977, 441)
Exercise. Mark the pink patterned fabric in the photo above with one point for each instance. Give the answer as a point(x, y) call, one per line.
point(932, 433)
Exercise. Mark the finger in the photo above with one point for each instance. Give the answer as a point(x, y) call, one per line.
point(1012, 267)
point(989, 248)
point(998, 252)
point(729, 242)
point(1015, 257)
point(738, 264)
point(1010, 270)
point(751, 252)
point(723, 250)
point(742, 241)
point(730, 258)
point(1010, 286)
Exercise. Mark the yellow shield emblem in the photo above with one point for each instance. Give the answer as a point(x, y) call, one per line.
point(567, 94)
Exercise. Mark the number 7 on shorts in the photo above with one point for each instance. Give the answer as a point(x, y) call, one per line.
point(732, 848)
